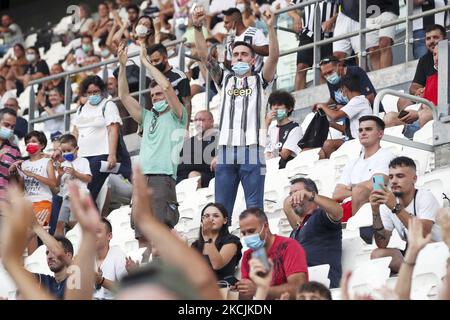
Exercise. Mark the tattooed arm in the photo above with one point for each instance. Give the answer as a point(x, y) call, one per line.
point(381, 235)
point(211, 64)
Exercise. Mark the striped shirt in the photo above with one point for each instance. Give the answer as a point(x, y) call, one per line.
point(243, 110)
point(180, 83)
point(441, 18)
point(327, 11)
point(9, 153)
point(252, 36)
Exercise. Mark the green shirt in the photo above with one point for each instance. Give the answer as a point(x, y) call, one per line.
point(160, 149)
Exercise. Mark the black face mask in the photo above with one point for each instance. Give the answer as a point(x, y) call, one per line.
point(160, 66)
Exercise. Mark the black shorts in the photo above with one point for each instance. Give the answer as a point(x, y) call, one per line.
point(306, 56)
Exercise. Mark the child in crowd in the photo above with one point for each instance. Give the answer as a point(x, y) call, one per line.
point(38, 177)
point(75, 169)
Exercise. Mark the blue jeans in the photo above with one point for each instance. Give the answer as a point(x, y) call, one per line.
point(419, 47)
point(56, 207)
point(410, 129)
point(98, 178)
point(240, 164)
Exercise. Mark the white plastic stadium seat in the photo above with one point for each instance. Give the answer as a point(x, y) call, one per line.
point(37, 262)
point(320, 274)
point(186, 188)
point(369, 275)
point(303, 162)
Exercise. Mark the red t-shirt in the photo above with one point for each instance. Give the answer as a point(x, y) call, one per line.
point(431, 89)
point(288, 258)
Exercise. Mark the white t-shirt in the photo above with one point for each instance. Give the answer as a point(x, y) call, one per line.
point(426, 208)
point(356, 108)
point(252, 36)
point(244, 106)
point(36, 191)
point(360, 169)
point(284, 137)
point(113, 269)
point(92, 124)
point(82, 166)
point(56, 124)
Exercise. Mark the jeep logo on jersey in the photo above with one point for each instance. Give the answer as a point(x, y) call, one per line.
point(240, 92)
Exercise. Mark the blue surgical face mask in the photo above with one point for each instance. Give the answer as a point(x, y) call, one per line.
point(241, 68)
point(333, 78)
point(86, 47)
point(254, 241)
point(95, 99)
point(5, 133)
point(340, 98)
point(160, 106)
point(281, 114)
point(69, 156)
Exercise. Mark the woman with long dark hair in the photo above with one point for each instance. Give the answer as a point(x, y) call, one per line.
point(221, 248)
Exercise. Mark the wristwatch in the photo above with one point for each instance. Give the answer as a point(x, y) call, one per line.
point(397, 208)
point(313, 196)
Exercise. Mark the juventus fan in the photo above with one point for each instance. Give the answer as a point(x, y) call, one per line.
point(242, 128)
point(284, 134)
point(237, 31)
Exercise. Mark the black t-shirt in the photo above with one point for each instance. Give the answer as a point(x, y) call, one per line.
point(230, 268)
point(322, 241)
point(21, 128)
point(425, 68)
point(50, 283)
point(351, 7)
point(197, 155)
point(385, 6)
point(180, 83)
point(283, 136)
point(41, 66)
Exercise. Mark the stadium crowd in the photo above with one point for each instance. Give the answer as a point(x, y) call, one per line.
point(51, 179)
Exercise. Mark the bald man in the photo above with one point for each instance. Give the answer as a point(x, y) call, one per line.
point(198, 151)
point(21, 124)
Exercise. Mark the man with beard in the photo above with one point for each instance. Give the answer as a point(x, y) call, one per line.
point(316, 221)
point(59, 256)
point(393, 208)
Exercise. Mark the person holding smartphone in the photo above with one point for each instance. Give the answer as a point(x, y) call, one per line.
point(392, 209)
point(220, 248)
point(288, 257)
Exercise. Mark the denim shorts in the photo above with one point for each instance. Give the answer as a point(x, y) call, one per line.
point(410, 129)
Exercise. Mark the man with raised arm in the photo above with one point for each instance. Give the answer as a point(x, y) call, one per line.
point(242, 129)
point(164, 129)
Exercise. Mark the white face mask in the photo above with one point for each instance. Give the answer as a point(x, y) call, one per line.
point(141, 30)
point(30, 57)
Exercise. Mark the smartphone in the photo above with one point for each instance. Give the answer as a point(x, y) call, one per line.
point(231, 280)
point(402, 114)
point(378, 182)
point(261, 255)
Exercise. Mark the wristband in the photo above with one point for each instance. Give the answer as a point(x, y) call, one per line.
point(198, 28)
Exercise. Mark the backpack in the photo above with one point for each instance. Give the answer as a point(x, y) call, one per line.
point(316, 133)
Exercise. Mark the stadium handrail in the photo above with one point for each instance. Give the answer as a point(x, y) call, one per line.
point(397, 140)
point(67, 95)
point(360, 33)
